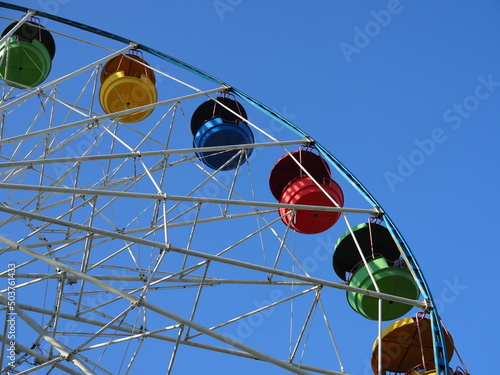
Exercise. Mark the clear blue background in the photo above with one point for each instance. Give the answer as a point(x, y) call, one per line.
point(394, 89)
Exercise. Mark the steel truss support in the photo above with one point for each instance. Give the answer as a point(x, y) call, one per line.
point(206, 256)
point(139, 302)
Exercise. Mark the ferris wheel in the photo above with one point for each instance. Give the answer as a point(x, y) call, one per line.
point(155, 219)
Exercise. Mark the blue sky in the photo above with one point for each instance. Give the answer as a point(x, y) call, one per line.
point(405, 93)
